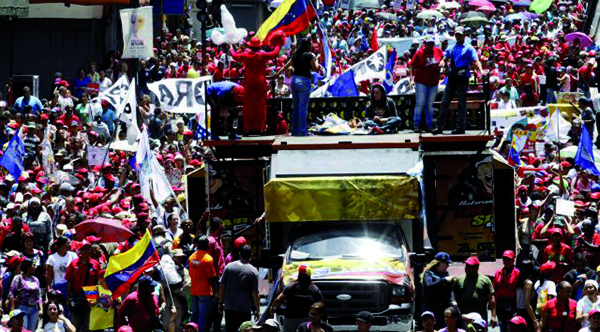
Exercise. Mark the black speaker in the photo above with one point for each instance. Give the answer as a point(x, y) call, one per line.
point(21, 81)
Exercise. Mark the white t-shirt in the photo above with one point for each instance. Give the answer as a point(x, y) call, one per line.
point(584, 306)
point(59, 265)
point(54, 327)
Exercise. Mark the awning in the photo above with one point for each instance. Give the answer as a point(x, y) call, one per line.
point(353, 198)
point(84, 2)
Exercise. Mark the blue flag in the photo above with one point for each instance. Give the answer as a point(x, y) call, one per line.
point(201, 132)
point(12, 159)
point(388, 84)
point(584, 157)
point(344, 86)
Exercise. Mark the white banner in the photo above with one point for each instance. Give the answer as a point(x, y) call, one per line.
point(114, 95)
point(185, 95)
point(370, 68)
point(137, 33)
point(96, 155)
point(151, 173)
point(127, 112)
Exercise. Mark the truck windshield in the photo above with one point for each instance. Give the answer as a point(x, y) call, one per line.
point(346, 245)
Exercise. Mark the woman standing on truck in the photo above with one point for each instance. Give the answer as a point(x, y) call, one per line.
point(437, 287)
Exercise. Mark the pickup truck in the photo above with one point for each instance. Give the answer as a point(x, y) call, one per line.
point(355, 232)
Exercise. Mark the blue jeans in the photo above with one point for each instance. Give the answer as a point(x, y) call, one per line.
point(550, 96)
point(425, 97)
point(391, 126)
point(300, 98)
point(201, 306)
point(459, 88)
point(30, 320)
point(62, 287)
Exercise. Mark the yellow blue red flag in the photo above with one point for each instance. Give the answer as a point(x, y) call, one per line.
point(291, 17)
point(125, 268)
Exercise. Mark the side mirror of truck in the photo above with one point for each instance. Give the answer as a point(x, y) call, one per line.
point(417, 259)
point(271, 259)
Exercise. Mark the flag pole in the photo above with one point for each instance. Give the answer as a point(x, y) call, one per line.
point(556, 110)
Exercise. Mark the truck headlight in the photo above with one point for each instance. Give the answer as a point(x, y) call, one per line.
point(398, 291)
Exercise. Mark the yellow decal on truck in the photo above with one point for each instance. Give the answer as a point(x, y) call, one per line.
point(353, 198)
point(377, 269)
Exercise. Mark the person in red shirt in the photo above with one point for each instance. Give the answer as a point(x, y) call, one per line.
point(559, 253)
point(425, 73)
point(589, 243)
point(505, 286)
point(255, 104)
point(530, 87)
point(586, 73)
point(69, 117)
point(559, 313)
point(219, 73)
point(182, 71)
point(82, 271)
point(140, 307)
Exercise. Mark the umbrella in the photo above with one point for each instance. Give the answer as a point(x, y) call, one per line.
point(585, 40)
point(450, 5)
point(366, 4)
point(540, 6)
point(522, 3)
point(109, 230)
point(479, 3)
point(471, 14)
point(486, 9)
point(571, 151)
point(475, 20)
point(387, 16)
point(429, 14)
point(516, 16)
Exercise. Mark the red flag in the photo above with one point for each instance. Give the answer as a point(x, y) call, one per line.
point(374, 42)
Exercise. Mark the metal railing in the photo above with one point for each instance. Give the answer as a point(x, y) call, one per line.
point(348, 108)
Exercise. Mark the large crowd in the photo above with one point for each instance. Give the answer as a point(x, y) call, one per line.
point(549, 285)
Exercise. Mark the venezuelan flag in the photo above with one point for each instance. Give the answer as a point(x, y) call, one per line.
point(124, 269)
point(291, 17)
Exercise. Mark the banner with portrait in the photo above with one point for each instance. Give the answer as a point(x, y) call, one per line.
point(463, 207)
point(137, 33)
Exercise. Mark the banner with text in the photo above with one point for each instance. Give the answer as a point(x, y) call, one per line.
point(137, 33)
point(185, 95)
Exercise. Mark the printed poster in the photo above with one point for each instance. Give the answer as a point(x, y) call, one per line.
point(96, 155)
point(137, 33)
point(465, 205)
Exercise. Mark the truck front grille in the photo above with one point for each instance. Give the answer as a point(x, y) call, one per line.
point(365, 295)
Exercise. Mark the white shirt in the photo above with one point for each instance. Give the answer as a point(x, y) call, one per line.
point(584, 306)
point(59, 265)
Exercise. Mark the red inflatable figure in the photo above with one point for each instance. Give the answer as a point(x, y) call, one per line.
point(255, 101)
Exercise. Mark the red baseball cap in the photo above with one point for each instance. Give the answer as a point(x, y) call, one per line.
point(302, 269)
point(239, 242)
point(509, 254)
point(518, 320)
point(472, 261)
point(547, 268)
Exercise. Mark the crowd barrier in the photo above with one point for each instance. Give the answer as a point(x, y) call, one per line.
point(348, 108)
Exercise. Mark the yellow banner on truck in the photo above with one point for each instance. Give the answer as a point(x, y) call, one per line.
point(337, 198)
